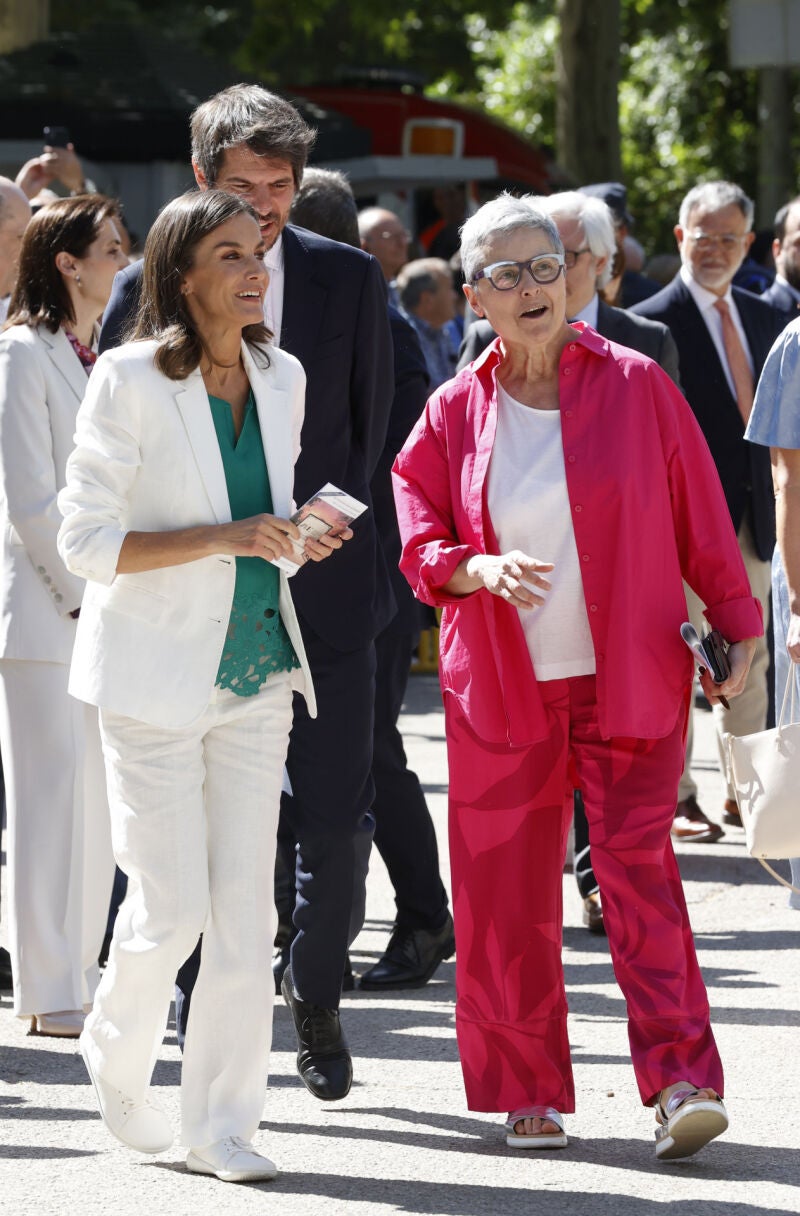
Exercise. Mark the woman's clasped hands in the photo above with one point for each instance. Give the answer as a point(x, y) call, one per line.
point(512, 576)
point(270, 537)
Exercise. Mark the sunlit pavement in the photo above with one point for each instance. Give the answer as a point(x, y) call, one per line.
point(403, 1140)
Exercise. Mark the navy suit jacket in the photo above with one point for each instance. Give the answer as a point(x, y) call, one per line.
point(744, 468)
point(781, 298)
point(335, 322)
point(411, 386)
point(648, 337)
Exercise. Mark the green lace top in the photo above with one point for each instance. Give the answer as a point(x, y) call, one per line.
point(257, 643)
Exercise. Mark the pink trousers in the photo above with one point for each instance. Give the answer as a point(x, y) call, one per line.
point(510, 810)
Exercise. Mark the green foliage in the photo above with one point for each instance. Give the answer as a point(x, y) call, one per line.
point(684, 115)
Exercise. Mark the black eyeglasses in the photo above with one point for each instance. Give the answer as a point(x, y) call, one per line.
point(504, 276)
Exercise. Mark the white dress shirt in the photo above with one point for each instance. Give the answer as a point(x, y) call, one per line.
point(785, 283)
point(589, 313)
point(705, 301)
point(273, 300)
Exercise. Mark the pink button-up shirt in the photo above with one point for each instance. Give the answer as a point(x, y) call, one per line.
point(647, 509)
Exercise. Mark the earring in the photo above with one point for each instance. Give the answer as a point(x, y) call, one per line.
point(78, 279)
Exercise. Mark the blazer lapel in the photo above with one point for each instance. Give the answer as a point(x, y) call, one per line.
point(272, 405)
point(303, 300)
point(191, 399)
point(65, 360)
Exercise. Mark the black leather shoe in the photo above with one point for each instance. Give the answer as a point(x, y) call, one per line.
point(323, 1060)
point(6, 981)
point(411, 958)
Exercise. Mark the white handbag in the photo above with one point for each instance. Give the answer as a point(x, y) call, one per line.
point(764, 770)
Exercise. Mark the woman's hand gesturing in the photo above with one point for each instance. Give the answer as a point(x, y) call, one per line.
point(512, 576)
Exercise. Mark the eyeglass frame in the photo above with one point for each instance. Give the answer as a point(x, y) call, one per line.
point(728, 240)
point(521, 266)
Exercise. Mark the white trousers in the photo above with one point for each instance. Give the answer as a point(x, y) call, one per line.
point(194, 816)
point(748, 711)
point(60, 864)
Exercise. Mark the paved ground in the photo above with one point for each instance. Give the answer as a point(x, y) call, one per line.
point(403, 1141)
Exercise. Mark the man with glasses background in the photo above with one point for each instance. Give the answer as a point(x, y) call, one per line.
point(384, 235)
point(586, 227)
point(723, 335)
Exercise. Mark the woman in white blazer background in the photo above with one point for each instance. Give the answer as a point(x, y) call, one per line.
point(177, 498)
point(60, 865)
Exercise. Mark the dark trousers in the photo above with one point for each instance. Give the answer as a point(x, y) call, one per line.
point(584, 874)
point(404, 832)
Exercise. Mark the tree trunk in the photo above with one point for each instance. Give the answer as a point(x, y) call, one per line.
point(775, 167)
point(587, 108)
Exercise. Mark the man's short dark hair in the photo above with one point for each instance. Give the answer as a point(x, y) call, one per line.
point(246, 114)
point(781, 216)
point(325, 204)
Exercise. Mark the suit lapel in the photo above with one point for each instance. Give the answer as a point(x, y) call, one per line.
point(303, 299)
point(759, 336)
point(272, 405)
point(191, 399)
point(63, 357)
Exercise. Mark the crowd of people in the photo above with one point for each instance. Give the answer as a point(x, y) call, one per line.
point(566, 479)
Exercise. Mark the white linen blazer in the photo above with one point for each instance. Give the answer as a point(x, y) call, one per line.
point(147, 459)
point(42, 382)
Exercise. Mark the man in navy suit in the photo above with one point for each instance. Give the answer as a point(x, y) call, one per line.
point(723, 335)
point(784, 293)
point(326, 304)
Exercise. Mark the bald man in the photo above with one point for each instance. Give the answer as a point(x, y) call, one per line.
point(15, 211)
point(384, 235)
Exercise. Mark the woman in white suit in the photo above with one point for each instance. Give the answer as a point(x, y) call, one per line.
point(176, 501)
point(60, 865)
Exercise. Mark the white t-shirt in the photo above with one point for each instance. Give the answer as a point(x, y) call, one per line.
point(529, 508)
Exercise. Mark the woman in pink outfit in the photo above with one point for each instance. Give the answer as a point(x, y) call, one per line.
point(551, 499)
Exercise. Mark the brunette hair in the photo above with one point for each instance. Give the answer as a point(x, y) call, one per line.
point(168, 254)
point(69, 225)
point(250, 116)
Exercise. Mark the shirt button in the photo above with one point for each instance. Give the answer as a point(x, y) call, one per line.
point(572, 346)
point(40, 569)
point(593, 607)
point(571, 459)
point(578, 508)
point(567, 371)
point(586, 557)
point(567, 413)
point(59, 597)
point(48, 579)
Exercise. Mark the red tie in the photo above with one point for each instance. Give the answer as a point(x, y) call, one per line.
point(737, 361)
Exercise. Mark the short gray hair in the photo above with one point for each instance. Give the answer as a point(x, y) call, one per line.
point(417, 277)
point(246, 114)
point(713, 196)
point(500, 217)
point(595, 218)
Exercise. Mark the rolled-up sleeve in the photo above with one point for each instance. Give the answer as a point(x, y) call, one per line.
point(100, 473)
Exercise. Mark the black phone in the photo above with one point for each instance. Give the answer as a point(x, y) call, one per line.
point(56, 137)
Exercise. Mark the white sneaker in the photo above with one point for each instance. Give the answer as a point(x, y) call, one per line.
point(231, 1160)
point(140, 1125)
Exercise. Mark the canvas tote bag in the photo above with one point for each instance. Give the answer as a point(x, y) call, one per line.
point(765, 773)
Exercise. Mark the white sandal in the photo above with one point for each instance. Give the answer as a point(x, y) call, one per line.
point(539, 1139)
point(688, 1121)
